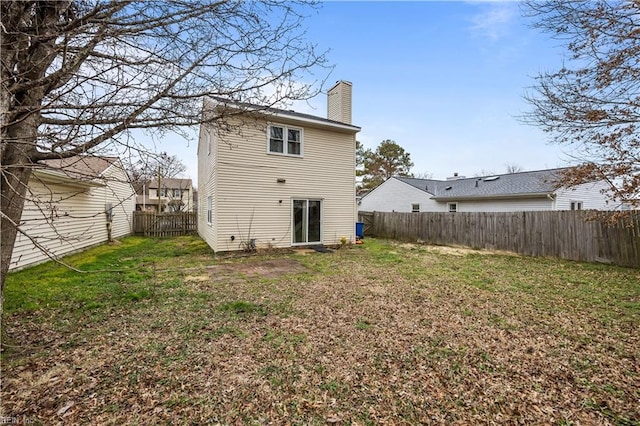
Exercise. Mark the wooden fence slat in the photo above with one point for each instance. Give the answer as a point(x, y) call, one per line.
point(574, 235)
point(152, 224)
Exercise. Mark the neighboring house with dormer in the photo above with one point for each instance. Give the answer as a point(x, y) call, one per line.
point(173, 194)
point(72, 204)
point(269, 177)
point(523, 191)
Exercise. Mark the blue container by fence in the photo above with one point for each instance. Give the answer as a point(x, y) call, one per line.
point(360, 229)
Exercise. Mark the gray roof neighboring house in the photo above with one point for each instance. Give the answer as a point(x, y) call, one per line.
point(523, 184)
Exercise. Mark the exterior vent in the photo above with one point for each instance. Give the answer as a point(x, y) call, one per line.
point(456, 177)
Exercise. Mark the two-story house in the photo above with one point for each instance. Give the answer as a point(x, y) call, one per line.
point(269, 177)
point(173, 194)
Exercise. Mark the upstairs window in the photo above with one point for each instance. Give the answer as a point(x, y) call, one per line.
point(285, 140)
point(177, 193)
point(576, 205)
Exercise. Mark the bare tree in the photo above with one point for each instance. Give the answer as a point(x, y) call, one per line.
point(592, 103)
point(79, 75)
point(484, 172)
point(149, 165)
point(423, 175)
point(513, 168)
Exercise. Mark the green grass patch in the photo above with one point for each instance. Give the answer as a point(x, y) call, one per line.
point(241, 307)
point(111, 274)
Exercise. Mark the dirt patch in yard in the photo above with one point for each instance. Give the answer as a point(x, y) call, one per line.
point(456, 250)
point(238, 272)
point(272, 268)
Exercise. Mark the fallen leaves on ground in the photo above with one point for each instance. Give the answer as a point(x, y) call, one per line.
point(351, 337)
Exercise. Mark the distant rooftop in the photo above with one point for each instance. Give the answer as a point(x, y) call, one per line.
point(538, 182)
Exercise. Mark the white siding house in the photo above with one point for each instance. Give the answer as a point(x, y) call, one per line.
point(275, 178)
point(70, 205)
point(524, 191)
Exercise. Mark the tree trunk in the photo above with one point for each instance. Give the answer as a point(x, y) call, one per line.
point(16, 153)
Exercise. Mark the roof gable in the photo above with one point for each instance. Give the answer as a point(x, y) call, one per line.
point(426, 185)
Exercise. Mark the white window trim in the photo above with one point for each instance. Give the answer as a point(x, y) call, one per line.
point(413, 210)
point(449, 205)
point(285, 144)
point(209, 210)
point(576, 205)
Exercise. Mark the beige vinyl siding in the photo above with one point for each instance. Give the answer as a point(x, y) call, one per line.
point(339, 102)
point(64, 218)
point(250, 203)
point(186, 194)
point(119, 192)
point(206, 183)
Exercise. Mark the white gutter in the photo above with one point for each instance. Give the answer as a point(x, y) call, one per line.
point(494, 197)
point(54, 176)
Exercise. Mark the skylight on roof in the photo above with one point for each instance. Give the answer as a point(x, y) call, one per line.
point(491, 178)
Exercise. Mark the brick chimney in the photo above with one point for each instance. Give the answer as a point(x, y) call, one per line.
point(339, 102)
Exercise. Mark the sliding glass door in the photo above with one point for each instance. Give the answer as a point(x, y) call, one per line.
point(307, 223)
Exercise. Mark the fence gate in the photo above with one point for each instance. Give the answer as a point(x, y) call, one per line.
point(367, 219)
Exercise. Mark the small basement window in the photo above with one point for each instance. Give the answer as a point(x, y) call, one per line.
point(415, 208)
point(453, 207)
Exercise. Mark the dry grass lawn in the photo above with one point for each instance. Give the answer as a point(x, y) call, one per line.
point(383, 333)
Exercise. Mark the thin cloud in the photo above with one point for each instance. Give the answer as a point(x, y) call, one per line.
point(494, 21)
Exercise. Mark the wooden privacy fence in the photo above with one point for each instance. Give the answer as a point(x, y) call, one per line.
point(574, 235)
point(151, 224)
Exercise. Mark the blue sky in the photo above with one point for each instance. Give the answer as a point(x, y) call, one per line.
point(445, 80)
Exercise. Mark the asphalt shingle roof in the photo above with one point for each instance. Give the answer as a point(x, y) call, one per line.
point(80, 167)
point(274, 110)
point(512, 184)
